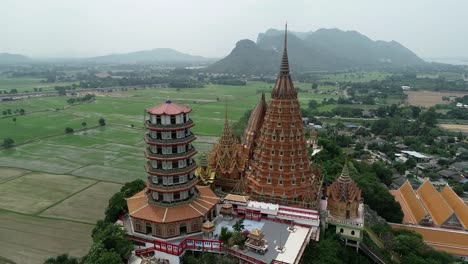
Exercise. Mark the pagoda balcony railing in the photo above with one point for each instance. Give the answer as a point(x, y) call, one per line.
point(148, 124)
point(186, 169)
point(159, 156)
point(174, 186)
point(186, 139)
point(176, 203)
point(341, 221)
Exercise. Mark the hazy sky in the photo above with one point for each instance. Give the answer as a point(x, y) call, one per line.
point(54, 28)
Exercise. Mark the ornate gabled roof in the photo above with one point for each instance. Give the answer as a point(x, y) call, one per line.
point(226, 156)
point(168, 108)
point(344, 189)
point(457, 204)
point(416, 211)
point(284, 87)
point(439, 210)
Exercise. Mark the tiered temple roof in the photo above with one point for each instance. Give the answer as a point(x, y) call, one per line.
point(413, 210)
point(344, 196)
point(227, 159)
point(280, 167)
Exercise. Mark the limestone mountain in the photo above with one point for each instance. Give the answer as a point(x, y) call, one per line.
point(324, 49)
point(8, 58)
point(149, 56)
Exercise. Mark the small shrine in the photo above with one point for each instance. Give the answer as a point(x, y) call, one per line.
point(256, 241)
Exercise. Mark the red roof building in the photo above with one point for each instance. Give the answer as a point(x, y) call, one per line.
point(172, 204)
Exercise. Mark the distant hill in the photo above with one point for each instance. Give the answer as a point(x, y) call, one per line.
point(8, 58)
point(149, 56)
point(324, 49)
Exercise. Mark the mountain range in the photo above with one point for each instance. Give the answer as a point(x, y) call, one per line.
point(324, 49)
point(8, 58)
point(160, 55)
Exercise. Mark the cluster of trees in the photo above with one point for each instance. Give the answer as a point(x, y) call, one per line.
point(236, 82)
point(236, 237)
point(83, 99)
point(8, 143)
point(330, 250)
point(409, 246)
point(101, 122)
point(370, 178)
point(111, 244)
point(13, 112)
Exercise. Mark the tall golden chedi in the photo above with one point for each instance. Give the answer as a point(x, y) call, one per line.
point(227, 160)
point(172, 203)
point(280, 169)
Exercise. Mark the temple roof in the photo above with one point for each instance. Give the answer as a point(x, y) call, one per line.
point(439, 210)
point(256, 117)
point(284, 87)
point(139, 207)
point(412, 207)
point(169, 108)
point(457, 205)
point(344, 189)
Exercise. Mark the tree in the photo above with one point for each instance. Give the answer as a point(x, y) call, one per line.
point(117, 203)
point(84, 124)
point(458, 189)
point(69, 130)
point(21, 111)
point(225, 235)
point(102, 121)
point(62, 259)
point(113, 238)
point(8, 143)
point(98, 254)
point(239, 226)
point(14, 120)
point(315, 86)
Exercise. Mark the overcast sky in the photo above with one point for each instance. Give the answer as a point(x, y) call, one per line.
point(55, 28)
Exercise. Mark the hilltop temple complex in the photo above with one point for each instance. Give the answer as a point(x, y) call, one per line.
point(267, 180)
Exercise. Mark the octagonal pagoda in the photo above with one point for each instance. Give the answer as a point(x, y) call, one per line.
point(172, 203)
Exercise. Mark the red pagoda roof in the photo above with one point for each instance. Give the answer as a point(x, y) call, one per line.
point(169, 108)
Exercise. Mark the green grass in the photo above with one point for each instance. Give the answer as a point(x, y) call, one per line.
point(110, 174)
point(127, 108)
point(86, 206)
point(30, 239)
point(28, 84)
point(34, 192)
point(7, 174)
point(17, 159)
point(327, 108)
point(355, 77)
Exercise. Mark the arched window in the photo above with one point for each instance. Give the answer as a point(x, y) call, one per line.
point(341, 230)
point(352, 233)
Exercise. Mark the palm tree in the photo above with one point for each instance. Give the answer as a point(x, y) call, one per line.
point(239, 225)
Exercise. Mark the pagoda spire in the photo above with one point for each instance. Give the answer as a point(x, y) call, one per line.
point(344, 177)
point(284, 70)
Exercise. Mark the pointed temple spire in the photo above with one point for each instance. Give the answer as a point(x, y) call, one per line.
point(284, 70)
point(344, 177)
point(284, 88)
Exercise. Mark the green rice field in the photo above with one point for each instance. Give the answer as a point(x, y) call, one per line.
point(55, 186)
